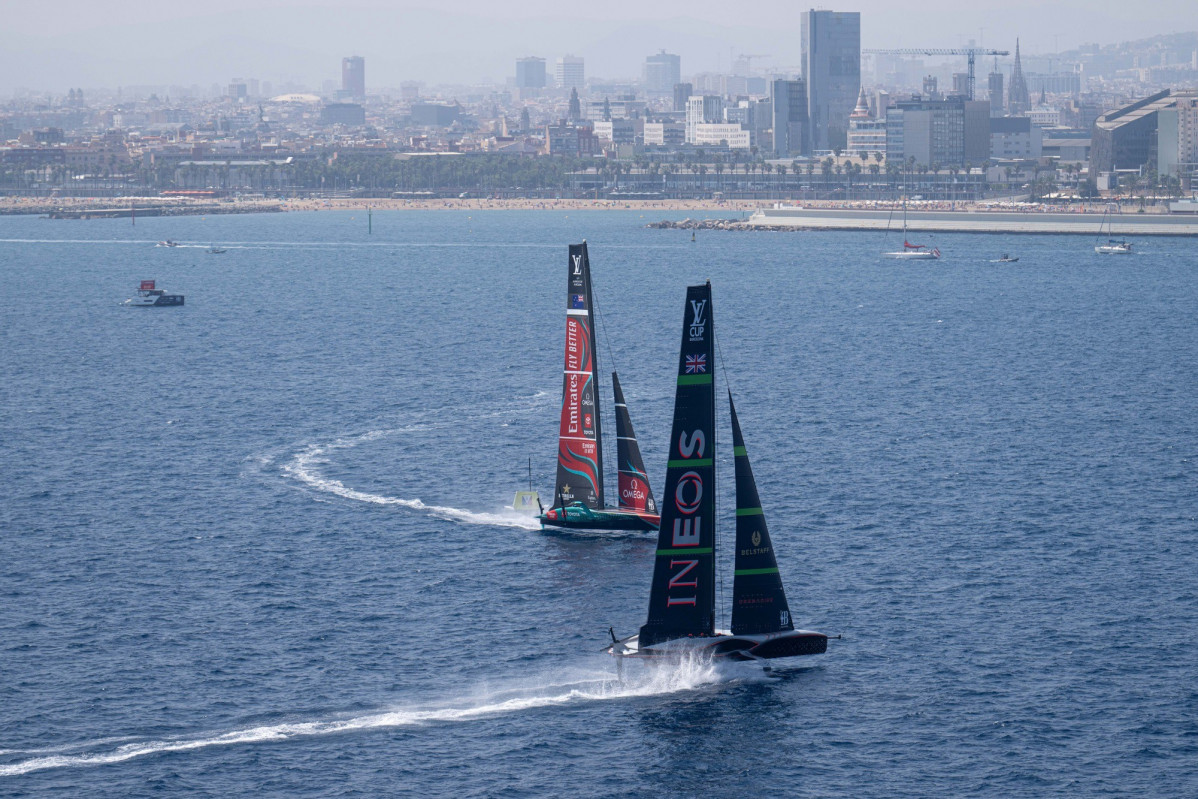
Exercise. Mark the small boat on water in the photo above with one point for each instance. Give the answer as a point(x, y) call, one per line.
point(167, 243)
point(148, 296)
point(217, 250)
point(578, 497)
point(912, 252)
point(1112, 246)
point(682, 598)
point(1006, 259)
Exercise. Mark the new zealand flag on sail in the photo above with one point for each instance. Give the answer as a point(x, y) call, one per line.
point(578, 301)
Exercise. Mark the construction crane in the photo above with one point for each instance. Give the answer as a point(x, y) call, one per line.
point(747, 59)
point(968, 52)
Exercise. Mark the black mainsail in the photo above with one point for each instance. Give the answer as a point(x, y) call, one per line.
point(633, 482)
point(579, 453)
point(758, 599)
point(682, 599)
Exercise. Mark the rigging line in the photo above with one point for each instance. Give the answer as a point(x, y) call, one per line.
point(603, 325)
point(719, 573)
point(612, 360)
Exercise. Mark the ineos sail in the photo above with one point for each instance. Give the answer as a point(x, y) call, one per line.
point(682, 598)
point(758, 599)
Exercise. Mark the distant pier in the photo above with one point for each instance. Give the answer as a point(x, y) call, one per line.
point(156, 210)
point(1125, 224)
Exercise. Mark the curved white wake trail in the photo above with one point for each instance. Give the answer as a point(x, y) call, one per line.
point(684, 676)
point(304, 467)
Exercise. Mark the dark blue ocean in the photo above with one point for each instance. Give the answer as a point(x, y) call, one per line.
point(258, 545)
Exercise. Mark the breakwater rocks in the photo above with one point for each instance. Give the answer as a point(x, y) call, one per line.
point(698, 224)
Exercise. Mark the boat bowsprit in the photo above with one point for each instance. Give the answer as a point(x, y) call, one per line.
point(682, 612)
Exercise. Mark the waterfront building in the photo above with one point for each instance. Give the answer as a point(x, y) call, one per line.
point(930, 131)
point(1159, 131)
point(662, 72)
point(702, 110)
point(791, 125)
point(1015, 139)
point(831, 58)
point(570, 140)
point(353, 76)
point(720, 134)
point(867, 135)
point(977, 132)
point(665, 134)
point(569, 72)
point(616, 131)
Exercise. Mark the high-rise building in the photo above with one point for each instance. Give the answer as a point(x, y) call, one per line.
point(789, 111)
point(530, 73)
point(353, 76)
point(662, 72)
point(682, 93)
point(702, 110)
point(569, 72)
point(237, 89)
point(1018, 98)
point(831, 53)
point(930, 131)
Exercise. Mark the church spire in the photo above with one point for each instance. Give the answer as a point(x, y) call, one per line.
point(1017, 97)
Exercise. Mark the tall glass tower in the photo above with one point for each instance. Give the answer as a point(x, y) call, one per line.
point(831, 52)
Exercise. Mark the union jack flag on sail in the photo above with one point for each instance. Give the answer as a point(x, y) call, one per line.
point(696, 364)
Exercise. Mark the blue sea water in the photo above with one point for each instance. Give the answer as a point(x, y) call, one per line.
point(259, 545)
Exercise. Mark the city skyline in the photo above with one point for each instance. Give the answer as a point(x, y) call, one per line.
point(152, 44)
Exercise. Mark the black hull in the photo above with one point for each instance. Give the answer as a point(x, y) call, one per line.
point(739, 648)
point(600, 520)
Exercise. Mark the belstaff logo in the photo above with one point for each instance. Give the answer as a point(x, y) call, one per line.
point(756, 538)
point(698, 320)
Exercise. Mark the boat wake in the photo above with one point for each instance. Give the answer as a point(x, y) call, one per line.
point(550, 690)
point(305, 467)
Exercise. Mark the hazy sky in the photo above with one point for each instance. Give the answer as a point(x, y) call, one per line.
point(91, 43)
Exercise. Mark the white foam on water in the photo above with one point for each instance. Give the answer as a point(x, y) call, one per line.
point(547, 691)
point(304, 466)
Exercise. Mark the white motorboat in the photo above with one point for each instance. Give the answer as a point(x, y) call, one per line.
point(148, 296)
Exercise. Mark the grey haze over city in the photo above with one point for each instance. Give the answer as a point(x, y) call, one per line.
point(103, 44)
